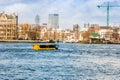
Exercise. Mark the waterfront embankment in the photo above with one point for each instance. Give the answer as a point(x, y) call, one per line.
point(20, 41)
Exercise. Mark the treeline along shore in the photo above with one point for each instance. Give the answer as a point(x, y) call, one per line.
point(39, 41)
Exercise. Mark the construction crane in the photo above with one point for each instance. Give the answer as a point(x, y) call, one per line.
point(108, 9)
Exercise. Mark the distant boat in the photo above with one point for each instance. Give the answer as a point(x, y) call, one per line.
point(69, 41)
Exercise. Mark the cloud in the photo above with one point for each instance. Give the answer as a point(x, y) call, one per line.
point(8, 2)
point(15, 8)
point(70, 11)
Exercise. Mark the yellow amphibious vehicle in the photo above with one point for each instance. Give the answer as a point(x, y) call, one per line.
point(45, 47)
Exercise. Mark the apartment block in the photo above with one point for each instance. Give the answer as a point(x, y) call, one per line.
point(8, 26)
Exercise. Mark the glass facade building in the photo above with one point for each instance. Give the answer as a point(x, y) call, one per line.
point(53, 21)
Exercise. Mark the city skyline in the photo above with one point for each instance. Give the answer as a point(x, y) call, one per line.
point(70, 11)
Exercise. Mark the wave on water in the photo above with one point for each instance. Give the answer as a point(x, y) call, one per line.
point(70, 62)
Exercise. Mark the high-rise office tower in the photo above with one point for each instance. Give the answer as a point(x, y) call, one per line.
point(53, 21)
point(37, 19)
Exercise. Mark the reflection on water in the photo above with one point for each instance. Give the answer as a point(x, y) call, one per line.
point(71, 62)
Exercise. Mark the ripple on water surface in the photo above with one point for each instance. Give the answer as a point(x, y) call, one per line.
point(70, 62)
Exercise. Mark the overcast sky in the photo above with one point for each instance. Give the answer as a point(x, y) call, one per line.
point(70, 11)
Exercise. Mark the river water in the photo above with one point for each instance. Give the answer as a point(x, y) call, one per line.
point(70, 62)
